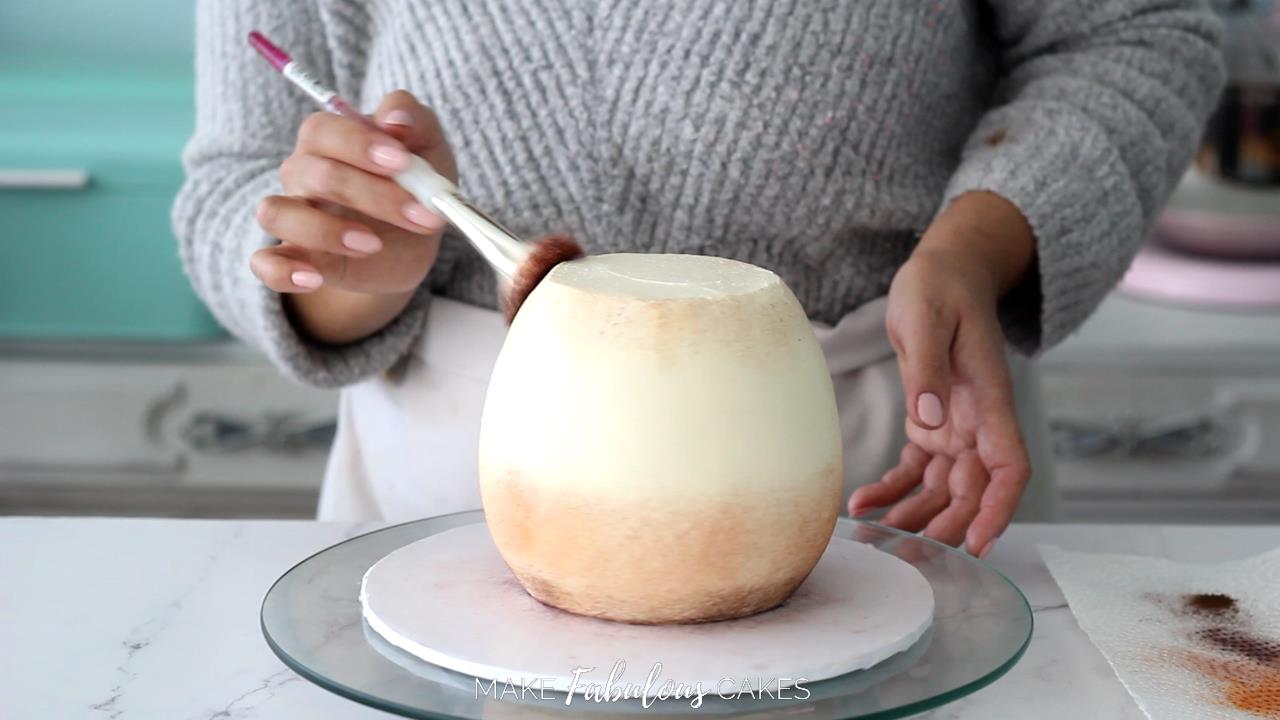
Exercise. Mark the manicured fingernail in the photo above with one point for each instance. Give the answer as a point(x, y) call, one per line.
point(859, 511)
point(986, 550)
point(361, 241)
point(418, 214)
point(929, 409)
point(398, 117)
point(388, 156)
point(307, 279)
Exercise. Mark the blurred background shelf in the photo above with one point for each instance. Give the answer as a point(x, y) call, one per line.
point(204, 430)
point(1167, 413)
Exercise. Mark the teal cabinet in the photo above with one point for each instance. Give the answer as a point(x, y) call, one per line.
point(90, 161)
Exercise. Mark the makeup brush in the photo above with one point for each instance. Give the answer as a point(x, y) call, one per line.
point(521, 264)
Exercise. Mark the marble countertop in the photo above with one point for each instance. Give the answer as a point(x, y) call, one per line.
point(107, 618)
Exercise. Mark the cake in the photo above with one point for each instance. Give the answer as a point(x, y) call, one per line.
point(659, 441)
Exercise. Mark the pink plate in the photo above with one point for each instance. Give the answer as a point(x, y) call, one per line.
point(1161, 273)
point(1222, 234)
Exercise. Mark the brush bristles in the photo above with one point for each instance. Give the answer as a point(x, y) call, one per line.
point(547, 253)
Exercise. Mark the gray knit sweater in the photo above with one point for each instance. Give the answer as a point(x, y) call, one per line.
point(816, 138)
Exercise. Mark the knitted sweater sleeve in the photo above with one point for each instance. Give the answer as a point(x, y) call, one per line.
point(1097, 114)
point(246, 123)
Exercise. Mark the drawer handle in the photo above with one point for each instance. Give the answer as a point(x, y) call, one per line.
point(1196, 437)
point(275, 432)
point(43, 179)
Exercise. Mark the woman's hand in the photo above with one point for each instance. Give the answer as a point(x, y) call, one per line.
point(354, 245)
point(965, 450)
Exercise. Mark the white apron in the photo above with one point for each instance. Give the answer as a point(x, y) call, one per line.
point(407, 441)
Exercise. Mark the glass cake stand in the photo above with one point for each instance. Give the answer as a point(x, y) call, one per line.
point(311, 618)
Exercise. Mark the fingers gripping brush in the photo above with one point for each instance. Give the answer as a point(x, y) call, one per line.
point(522, 265)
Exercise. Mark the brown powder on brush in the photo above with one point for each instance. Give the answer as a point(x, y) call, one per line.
point(547, 253)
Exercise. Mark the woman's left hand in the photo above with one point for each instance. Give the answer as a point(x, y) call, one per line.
point(965, 450)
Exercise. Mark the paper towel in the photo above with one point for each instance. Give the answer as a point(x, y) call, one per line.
point(1188, 640)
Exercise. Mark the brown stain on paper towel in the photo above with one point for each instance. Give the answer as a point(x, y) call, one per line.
point(1210, 604)
point(1229, 650)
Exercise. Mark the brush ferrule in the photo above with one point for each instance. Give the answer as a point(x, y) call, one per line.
point(498, 245)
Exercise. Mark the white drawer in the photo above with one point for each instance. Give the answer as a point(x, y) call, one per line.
point(128, 424)
point(79, 420)
point(1152, 444)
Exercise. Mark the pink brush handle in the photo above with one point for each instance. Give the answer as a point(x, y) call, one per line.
point(502, 249)
point(282, 62)
point(420, 178)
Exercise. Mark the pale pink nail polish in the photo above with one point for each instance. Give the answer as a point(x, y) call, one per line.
point(307, 279)
point(388, 156)
point(929, 409)
point(987, 550)
point(418, 214)
point(398, 117)
point(361, 241)
point(861, 511)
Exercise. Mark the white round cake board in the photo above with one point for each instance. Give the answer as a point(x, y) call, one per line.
point(450, 600)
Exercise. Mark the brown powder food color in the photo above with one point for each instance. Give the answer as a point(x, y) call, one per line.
point(1240, 642)
point(1246, 685)
point(1251, 676)
point(1257, 695)
point(1210, 604)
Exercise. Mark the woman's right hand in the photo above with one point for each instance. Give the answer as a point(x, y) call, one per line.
point(354, 245)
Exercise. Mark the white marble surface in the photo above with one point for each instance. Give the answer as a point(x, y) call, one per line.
point(132, 619)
